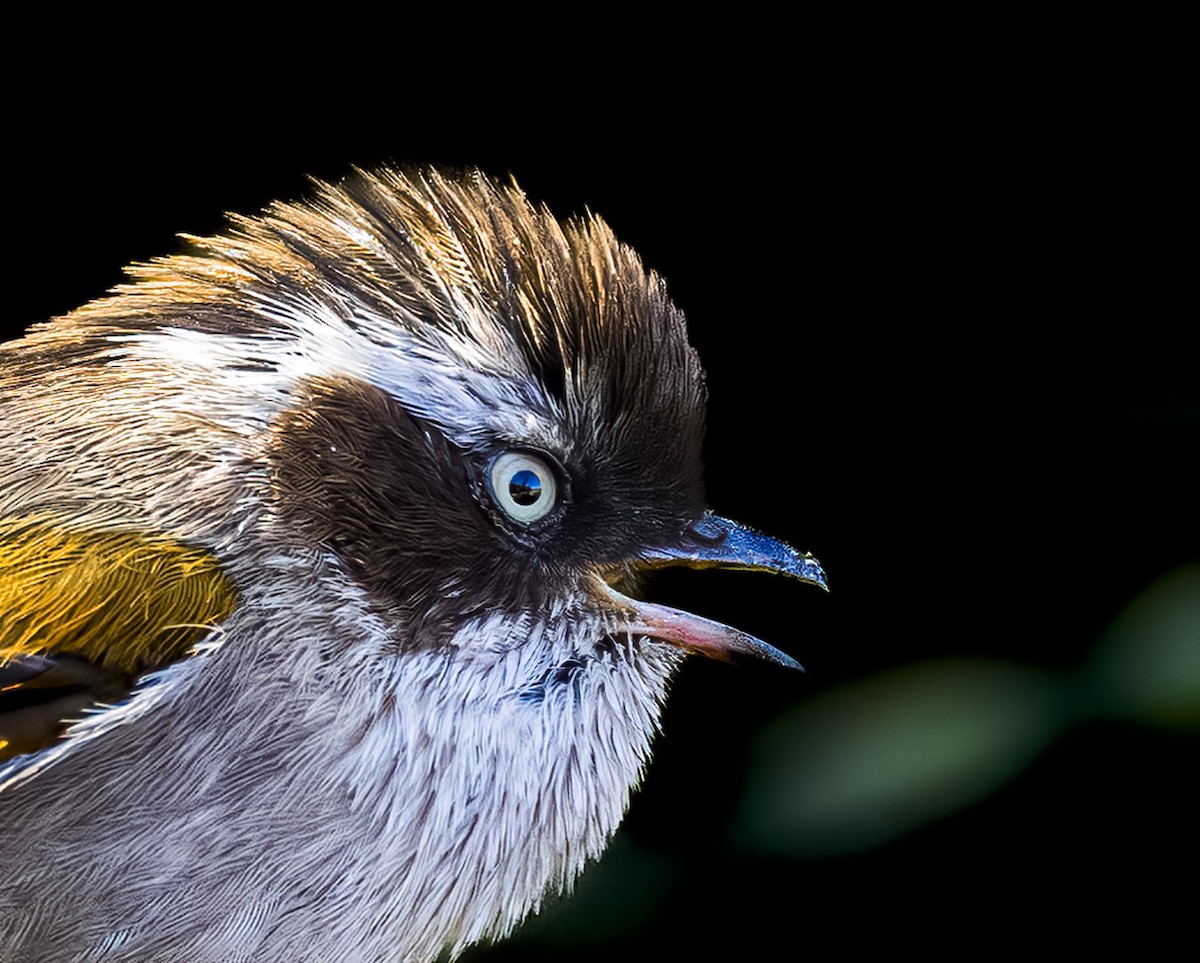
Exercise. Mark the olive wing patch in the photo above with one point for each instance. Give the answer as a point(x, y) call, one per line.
point(84, 613)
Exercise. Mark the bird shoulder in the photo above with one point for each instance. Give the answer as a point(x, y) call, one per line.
point(83, 613)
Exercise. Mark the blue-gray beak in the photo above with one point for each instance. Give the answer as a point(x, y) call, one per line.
point(715, 542)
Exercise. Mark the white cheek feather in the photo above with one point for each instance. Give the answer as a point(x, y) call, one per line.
point(514, 794)
point(517, 793)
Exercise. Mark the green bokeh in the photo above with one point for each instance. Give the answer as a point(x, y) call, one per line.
point(867, 762)
point(871, 761)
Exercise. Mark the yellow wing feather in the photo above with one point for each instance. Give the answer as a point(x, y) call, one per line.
point(122, 602)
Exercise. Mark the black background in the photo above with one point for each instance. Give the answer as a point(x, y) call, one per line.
point(944, 340)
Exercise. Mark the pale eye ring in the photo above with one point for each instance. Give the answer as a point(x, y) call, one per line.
point(523, 485)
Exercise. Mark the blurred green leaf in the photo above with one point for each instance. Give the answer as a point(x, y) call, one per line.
point(1146, 667)
point(871, 761)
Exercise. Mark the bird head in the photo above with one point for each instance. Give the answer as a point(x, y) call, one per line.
point(520, 430)
point(422, 439)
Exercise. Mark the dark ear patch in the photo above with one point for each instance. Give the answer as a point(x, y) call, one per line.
point(354, 472)
point(407, 512)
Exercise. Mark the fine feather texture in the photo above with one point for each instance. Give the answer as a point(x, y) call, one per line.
point(119, 602)
point(421, 713)
point(118, 599)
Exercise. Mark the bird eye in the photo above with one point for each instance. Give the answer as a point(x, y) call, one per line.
point(523, 486)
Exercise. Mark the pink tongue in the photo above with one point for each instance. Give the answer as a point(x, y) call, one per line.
point(692, 632)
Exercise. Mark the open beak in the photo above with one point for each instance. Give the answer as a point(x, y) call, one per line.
point(714, 542)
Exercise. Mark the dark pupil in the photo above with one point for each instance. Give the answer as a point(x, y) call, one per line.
point(525, 487)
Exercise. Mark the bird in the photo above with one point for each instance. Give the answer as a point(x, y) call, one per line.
point(323, 547)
